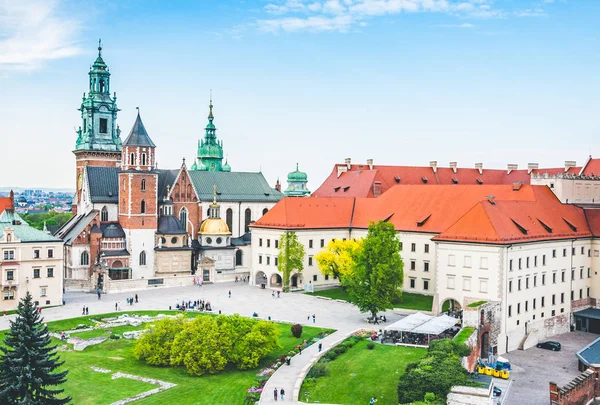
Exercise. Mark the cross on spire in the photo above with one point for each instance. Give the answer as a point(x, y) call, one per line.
point(99, 46)
point(214, 194)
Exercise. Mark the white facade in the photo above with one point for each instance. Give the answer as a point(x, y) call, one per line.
point(570, 189)
point(138, 241)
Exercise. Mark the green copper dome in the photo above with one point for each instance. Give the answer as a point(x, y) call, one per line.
point(226, 167)
point(210, 150)
point(297, 175)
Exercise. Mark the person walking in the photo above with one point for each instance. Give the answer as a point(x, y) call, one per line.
point(87, 310)
point(320, 346)
point(275, 394)
point(278, 292)
point(229, 293)
point(300, 348)
point(136, 298)
point(281, 393)
point(116, 306)
point(99, 293)
point(273, 294)
point(314, 318)
point(83, 311)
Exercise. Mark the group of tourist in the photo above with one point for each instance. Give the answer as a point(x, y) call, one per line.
point(242, 279)
point(281, 394)
point(198, 305)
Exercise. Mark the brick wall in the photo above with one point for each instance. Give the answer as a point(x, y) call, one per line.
point(578, 305)
point(131, 197)
point(580, 391)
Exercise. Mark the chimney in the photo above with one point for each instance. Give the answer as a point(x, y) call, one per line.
point(278, 186)
point(370, 163)
point(510, 167)
point(433, 165)
point(360, 167)
point(12, 200)
point(569, 164)
point(531, 167)
point(479, 166)
point(453, 166)
point(376, 189)
point(348, 162)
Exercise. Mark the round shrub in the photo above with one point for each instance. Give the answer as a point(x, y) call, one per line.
point(370, 345)
point(297, 330)
point(318, 370)
point(340, 349)
point(115, 337)
point(331, 355)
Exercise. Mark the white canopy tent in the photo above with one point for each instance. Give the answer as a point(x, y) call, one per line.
point(436, 326)
point(408, 323)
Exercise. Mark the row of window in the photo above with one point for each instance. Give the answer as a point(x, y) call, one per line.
point(467, 262)
point(413, 283)
point(528, 262)
point(466, 285)
point(10, 274)
point(413, 247)
point(534, 277)
point(276, 242)
point(413, 265)
point(543, 302)
point(37, 254)
point(275, 262)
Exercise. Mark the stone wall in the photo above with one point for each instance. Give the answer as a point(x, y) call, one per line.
point(470, 362)
point(72, 284)
point(578, 305)
point(114, 286)
point(583, 389)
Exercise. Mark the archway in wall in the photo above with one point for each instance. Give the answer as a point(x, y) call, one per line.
point(276, 280)
point(296, 281)
point(450, 305)
point(117, 264)
point(484, 344)
point(260, 278)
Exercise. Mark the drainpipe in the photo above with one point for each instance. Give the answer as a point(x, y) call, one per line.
point(505, 297)
point(572, 272)
point(240, 219)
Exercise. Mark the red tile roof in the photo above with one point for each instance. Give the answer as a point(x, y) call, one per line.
point(592, 167)
point(5, 203)
point(308, 213)
point(593, 219)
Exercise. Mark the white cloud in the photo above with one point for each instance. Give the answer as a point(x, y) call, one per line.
point(32, 32)
point(314, 24)
point(334, 7)
point(531, 12)
point(464, 25)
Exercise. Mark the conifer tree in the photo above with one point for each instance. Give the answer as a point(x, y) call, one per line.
point(28, 361)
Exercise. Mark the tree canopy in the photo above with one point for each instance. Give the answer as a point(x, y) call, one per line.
point(291, 257)
point(376, 278)
point(28, 362)
point(337, 259)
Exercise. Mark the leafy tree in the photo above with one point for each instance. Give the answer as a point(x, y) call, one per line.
point(296, 330)
point(262, 340)
point(198, 347)
point(28, 361)
point(154, 346)
point(436, 373)
point(291, 256)
point(51, 218)
point(337, 259)
point(377, 275)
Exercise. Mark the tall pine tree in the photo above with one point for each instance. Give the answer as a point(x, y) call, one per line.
point(28, 361)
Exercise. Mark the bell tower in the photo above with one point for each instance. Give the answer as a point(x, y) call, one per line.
point(98, 138)
point(210, 149)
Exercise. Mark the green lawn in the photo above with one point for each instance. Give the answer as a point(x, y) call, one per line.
point(408, 301)
point(88, 387)
point(359, 374)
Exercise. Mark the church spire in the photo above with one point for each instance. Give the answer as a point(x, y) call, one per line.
point(210, 150)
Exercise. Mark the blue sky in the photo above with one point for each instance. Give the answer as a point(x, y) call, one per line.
point(314, 82)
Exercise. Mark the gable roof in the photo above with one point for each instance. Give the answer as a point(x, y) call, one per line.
point(233, 186)
point(505, 222)
point(5, 203)
point(103, 183)
point(593, 219)
point(308, 213)
point(71, 230)
point(138, 135)
point(166, 178)
point(22, 231)
point(592, 167)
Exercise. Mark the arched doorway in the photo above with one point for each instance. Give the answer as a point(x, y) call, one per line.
point(484, 343)
point(276, 280)
point(450, 305)
point(296, 280)
point(261, 278)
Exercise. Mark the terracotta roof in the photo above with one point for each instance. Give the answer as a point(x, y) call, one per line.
point(593, 219)
point(592, 167)
point(308, 213)
point(519, 221)
point(557, 170)
point(5, 203)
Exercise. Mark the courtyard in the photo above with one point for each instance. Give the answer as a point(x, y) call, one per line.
point(533, 369)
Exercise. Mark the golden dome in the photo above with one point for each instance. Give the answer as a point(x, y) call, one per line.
point(214, 226)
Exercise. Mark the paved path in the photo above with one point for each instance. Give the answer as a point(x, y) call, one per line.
point(291, 307)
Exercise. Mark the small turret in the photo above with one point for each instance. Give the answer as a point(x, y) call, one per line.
point(297, 184)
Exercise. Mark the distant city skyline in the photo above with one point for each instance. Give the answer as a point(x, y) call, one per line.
point(314, 82)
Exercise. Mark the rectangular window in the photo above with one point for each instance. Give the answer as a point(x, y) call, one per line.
point(520, 263)
point(484, 263)
point(553, 252)
point(589, 252)
point(543, 279)
point(450, 282)
point(259, 241)
point(426, 285)
point(573, 251)
point(483, 286)
point(36, 253)
point(527, 262)
point(580, 293)
point(588, 292)
point(9, 295)
point(562, 276)
point(562, 298)
point(310, 243)
point(553, 299)
point(103, 125)
point(276, 243)
point(510, 286)
point(268, 260)
point(553, 312)
point(413, 265)
point(510, 265)
point(276, 261)
point(36, 273)
point(519, 285)
point(535, 280)
point(582, 250)
point(527, 283)
point(451, 260)
point(310, 260)
point(427, 248)
point(268, 243)
point(543, 302)
point(526, 306)
point(553, 278)
point(564, 252)
point(426, 266)
point(589, 272)
point(326, 277)
point(259, 259)
point(572, 274)
point(533, 304)
point(467, 261)
point(572, 295)
point(466, 284)
point(518, 308)
point(534, 261)
point(413, 247)
point(543, 260)
point(509, 311)
point(581, 272)
point(314, 277)
point(412, 283)
point(322, 242)
point(10, 275)
point(42, 291)
point(50, 272)
point(50, 253)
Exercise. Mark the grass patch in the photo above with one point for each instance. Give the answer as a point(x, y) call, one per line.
point(408, 300)
point(359, 374)
point(464, 334)
point(476, 304)
point(88, 387)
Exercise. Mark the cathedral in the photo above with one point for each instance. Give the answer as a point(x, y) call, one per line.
point(133, 221)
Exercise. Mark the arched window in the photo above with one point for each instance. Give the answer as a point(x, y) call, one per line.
point(143, 184)
point(183, 215)
point(208, 212)
point(143, 258)
point(238, 257)
point(143, 207)
point(101, 86)
point(229, 218)
point(104, 214)
point(85, 258)
point(132, 159)
point(143, 159)
point(265, 211)
point(247, 219)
